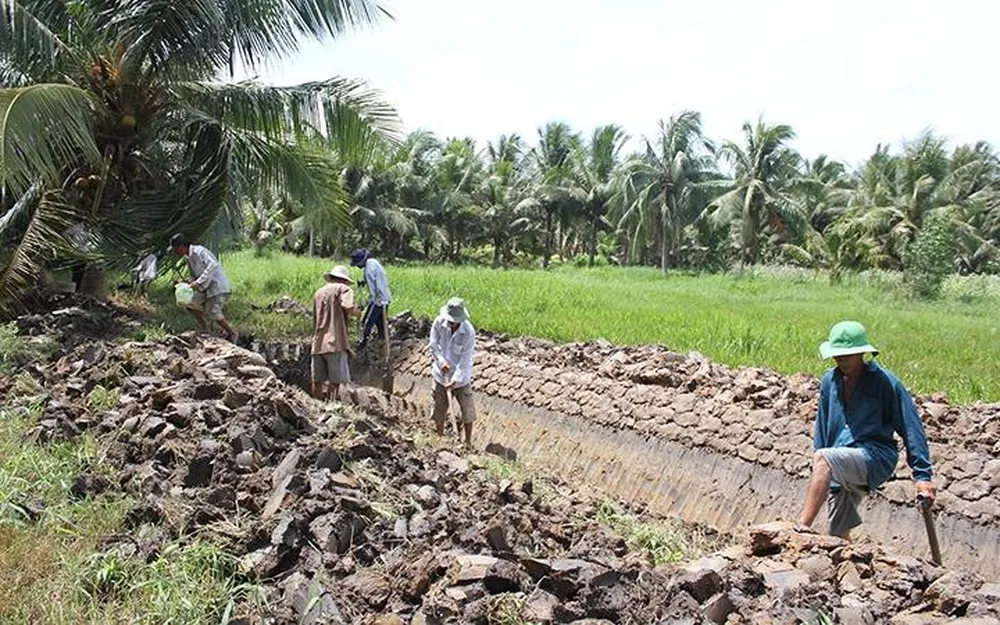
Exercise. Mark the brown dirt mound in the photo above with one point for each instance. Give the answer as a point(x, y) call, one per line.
point(344, 518)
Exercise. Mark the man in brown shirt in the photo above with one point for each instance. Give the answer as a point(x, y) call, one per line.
point(333, 304)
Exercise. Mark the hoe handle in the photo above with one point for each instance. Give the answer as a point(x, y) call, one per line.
point(925, 507)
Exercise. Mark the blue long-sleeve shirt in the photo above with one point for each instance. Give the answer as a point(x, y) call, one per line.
point(879, 406)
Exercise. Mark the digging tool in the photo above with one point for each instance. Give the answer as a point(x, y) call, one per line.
point(925, 508)
point(387, 377)
point(363, 305)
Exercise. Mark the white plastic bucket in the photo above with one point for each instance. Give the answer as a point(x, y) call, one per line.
point(183, 294)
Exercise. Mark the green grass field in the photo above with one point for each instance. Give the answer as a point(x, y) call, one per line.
point(950, 346)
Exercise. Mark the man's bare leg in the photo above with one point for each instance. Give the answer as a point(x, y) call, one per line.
point(439, 425)
point(200, 318)
point(333, 393)
point(231, 333)
point(816, 493)
point(468, 433)
point(318, 391)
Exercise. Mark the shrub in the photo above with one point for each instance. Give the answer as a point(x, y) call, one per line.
point(929, 258)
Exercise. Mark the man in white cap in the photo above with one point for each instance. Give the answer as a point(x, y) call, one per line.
point(333, 304)
point(453, 343)
point(861, 405)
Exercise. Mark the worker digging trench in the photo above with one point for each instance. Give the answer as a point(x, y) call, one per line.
point(461, 546)
point(861, 405)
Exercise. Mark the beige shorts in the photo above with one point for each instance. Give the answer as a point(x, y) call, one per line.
point(210, 306)
point(331, 368)
point(462, 395)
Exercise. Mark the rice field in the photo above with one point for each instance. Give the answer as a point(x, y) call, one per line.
point(773, 319)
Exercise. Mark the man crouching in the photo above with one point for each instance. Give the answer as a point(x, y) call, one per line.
point(453, 341)
point(333, 304)
point(860, 406)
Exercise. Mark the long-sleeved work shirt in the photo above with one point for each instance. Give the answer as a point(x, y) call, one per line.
point(455, 348)
point(879, 406)
point(378, 283)
point(207, 271)
point(331, 304)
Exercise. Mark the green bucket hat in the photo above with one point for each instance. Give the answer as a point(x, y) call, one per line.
point(846, 338)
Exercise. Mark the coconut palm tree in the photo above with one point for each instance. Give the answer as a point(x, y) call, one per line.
point(142, 140)
point(554, 183)
point(660, 184)
point(453, 208)
point(895, 194)
point(822, 190)
point(764, 169)
point(504, 196)
point(594, 168)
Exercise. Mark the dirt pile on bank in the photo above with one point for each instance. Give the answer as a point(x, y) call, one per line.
point(343, 517)
point(751, 413)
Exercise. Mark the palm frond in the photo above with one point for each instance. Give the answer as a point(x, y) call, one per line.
point(172, 37)
point(30, 47)
point(192, 202)
point(265, 29)
point(27, 153)
point(15, 220)
point(45, 216)
point(726, 208)
point(349, 115)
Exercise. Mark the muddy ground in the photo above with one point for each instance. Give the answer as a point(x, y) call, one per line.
point(347, 515)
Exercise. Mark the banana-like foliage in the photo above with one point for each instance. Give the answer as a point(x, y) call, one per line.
point(113, 119)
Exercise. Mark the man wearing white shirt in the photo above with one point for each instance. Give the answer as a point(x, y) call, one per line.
point(210, 284)
point(379, 296)
point(453, 343)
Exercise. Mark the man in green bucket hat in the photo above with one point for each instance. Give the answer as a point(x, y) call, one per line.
point(861, 405)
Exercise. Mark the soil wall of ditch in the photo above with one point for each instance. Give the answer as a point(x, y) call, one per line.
point(686, 437)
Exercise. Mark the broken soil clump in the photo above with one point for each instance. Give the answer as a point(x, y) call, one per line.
point(343, 517)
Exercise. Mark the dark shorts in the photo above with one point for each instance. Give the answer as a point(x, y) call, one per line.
point(462, 395)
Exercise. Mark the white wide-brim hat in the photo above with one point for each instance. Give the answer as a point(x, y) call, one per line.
point(454, 310)
point(340, 272)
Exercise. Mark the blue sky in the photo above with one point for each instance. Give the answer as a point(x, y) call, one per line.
point(845, 75)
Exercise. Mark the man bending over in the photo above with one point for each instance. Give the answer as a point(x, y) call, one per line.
point(453, 343)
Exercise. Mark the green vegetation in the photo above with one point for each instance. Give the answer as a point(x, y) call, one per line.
point(665, 541)
point(55, 565)
point(682, 200)
point(13, 345)
point(143, 139)
point(772, 319)
point(101, 398)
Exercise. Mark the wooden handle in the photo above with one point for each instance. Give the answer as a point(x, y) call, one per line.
point(925, 508)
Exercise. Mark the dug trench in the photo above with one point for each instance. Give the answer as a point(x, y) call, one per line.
point(348, 515)
point(678, 435)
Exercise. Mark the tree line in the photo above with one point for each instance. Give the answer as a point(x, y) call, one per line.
point(116, 131)
point(681, 201)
